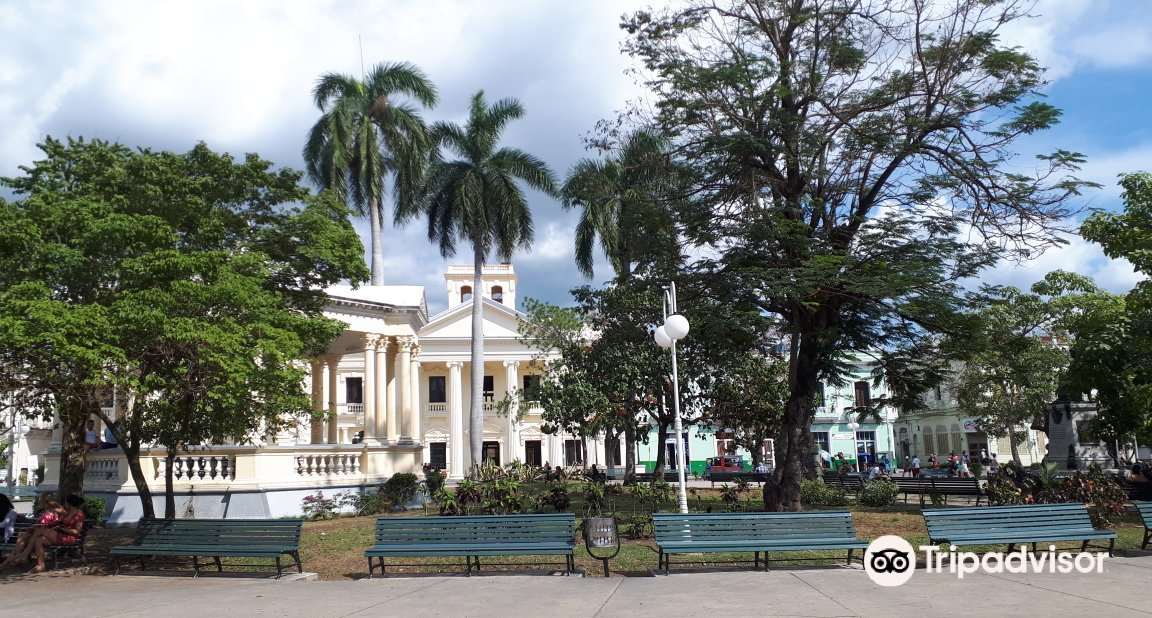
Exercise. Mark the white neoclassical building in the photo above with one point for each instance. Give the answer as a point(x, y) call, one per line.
point(391, 394)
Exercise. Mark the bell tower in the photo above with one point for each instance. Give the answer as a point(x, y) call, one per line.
point(498, 281)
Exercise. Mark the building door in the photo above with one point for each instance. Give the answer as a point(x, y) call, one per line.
point(573, 452)
point(533, 453)
point(977, 442)
point(670, 452)
point(438, 455)
point(491, 453)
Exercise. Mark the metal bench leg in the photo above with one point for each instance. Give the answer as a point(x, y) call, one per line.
point(849, 563)
point(1084, 546)
point(1034, 548)
point(1010, 547)
point(370, 568)
point(219, 566)
point(1147, 538)
point(299, 564)
point(1111, 547)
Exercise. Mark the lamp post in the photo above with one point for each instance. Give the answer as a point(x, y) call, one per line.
point(675, 327)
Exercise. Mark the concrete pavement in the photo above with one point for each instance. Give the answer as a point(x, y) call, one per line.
point(1122, 590)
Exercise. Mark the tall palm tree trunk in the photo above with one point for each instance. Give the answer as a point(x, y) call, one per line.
point(375, 225)
point(476, 426)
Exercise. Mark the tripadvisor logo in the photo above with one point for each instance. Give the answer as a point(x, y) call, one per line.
point(890, 561)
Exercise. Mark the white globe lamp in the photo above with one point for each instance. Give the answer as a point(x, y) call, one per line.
point(662, 338)
point(676, 326)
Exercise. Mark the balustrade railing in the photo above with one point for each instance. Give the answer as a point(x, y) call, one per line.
point(328, 464)
point(437, 408)
point(193, 467)
point(102, 469)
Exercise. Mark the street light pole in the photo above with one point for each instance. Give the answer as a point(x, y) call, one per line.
point(675, 328)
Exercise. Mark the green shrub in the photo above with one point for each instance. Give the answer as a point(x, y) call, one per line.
point(370, 502)
point(316, 506)
point(400, 490)
point(814, 492)
point(434, 479)
point(878, 493)
point(94, 510)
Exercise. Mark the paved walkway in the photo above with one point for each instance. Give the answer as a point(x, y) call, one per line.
point(1122, 590)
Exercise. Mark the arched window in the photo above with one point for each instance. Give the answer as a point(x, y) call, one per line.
point(929, 441)
point(465, 293)
point(498, 294)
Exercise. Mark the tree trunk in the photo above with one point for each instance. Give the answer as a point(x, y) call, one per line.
point(73, 418)
point(132, 455)
point(169, 496)
point(1015, 447)
point(661, 451)
point(630, 452)
point(476, 418)
point(782, 493)
point(375, 227)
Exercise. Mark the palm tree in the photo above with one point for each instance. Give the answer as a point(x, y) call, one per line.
point(476, 197)
point(624, 203)
point(364, 135)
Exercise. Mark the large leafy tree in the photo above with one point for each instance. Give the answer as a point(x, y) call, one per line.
point(190, 283)
point(1013, 369)
point(368, 133)
point(473, 194)
point(1114, 333)
point(853, 163)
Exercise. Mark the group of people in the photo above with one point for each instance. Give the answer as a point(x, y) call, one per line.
point(958, 464)
point(92, 441)
point(59, 524)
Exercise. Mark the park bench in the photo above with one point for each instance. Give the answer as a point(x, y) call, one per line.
point(1033, 523)
point(751, 477)
point(1145, 510)
point(216, 539)
point(55, 552)
point(853, 482)
point(473, 536)
point(955, 486)
point(913, 485)
point(678, 533)
point(1137, 491)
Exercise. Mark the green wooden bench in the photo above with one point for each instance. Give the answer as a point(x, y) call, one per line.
point(913, 485)
point(956, 486)
point(851, 482)
point(725, 477)
point(1145, 510)
point(473, 536)
point(693, 533)
point(1033, 523)
point(216, 539)
point(55, 552)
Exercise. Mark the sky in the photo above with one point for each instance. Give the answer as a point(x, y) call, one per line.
point(239, 75)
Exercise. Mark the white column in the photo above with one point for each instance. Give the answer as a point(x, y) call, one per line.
point(333, 363)
point(411, 431)
point(512, 377)
point(403, 388)
point(556, 448)
point(599, 455)
point(380, 396)
point(369, 397)
point(456, 438)
point(317, 434)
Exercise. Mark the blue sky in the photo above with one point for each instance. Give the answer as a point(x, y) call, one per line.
point(239, 76)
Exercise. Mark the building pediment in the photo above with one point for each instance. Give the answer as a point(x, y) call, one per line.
point(500, 322)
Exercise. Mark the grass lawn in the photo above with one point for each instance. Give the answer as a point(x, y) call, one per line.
point(335, 548)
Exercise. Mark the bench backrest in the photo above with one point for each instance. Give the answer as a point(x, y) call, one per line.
point(957, 484)
point(1031, 517)
point(1145, 510)
point(219, 532)
point(671, 527)
point(496, 529)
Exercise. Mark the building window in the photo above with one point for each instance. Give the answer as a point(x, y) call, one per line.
point(866, 446)
point(437, 391)
point(958, 442)
point(725, 444)
point(612, 451)
point(820, 441)
point(820, 396)
point(438, 455)
point(498, 294)
point(939, 393)
point(929, 441)
point(489, 388)
point(573, 452)
point(863, 394)
point(354, 390)
point(465, 293)
point(531, 386)
point(533, 452)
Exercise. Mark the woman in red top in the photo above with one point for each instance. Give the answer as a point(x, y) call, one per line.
point(65, 531)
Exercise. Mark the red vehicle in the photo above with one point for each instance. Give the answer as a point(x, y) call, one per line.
point(728, 463)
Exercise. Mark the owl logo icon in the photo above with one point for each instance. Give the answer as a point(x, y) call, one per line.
point(889, 561)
